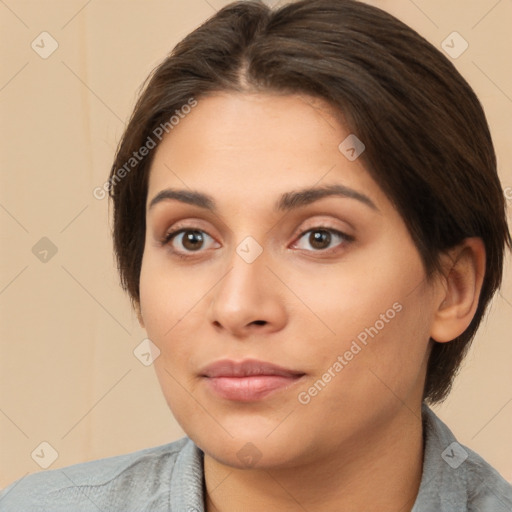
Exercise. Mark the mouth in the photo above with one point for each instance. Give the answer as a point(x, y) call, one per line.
point(248, 380)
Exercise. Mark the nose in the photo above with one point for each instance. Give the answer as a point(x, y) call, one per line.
point(248, 299)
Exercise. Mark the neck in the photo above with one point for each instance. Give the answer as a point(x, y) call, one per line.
point(378, 470)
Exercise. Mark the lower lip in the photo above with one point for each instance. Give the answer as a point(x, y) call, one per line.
point(249, 389)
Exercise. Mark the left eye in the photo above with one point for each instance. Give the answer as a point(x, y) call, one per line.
point(321, 238)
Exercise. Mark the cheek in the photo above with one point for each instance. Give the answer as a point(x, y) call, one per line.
point(372, 363)
point(376, 318)
point(174, 309)
point(167, 304)
point(167, 295)
point(166, 307)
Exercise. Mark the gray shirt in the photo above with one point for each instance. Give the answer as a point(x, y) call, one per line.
point(170, 478)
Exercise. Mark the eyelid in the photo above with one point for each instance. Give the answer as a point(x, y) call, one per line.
point(320, 224)
point(345, 240)
point(184, 225)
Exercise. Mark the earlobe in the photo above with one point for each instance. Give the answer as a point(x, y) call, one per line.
point(464, 269)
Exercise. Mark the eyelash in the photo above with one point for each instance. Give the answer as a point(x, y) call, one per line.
point(167, 239)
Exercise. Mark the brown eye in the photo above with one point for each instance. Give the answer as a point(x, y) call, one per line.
point(321, 239)
point(187, 240)
point(192, 240)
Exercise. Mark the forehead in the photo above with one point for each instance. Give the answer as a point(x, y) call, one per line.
point(248, 146)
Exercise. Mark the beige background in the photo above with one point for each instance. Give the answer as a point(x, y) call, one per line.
point(68, 375)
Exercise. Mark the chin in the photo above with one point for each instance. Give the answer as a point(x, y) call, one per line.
point(254, 450)
point(249, 456)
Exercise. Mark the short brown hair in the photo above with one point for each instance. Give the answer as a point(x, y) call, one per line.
point(427, 140)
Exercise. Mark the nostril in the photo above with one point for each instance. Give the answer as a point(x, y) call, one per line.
point(259, 322)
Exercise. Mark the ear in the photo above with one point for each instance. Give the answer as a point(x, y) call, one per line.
point(459, 291)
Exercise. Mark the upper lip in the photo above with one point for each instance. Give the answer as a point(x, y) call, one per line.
point(246, 368)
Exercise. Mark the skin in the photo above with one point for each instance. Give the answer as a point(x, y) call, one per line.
point(357, 444)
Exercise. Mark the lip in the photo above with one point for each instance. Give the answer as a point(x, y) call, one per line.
point(246, 368)
point(248, 380)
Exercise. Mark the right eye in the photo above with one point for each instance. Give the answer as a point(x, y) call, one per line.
point(187, 240)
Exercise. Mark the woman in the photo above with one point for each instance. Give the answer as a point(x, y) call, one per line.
point(310, 225)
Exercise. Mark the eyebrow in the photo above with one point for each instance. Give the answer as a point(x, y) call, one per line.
point(288, 201)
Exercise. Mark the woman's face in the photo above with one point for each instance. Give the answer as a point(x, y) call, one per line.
point(327, 286)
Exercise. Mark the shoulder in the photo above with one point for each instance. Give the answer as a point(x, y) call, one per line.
point(137, 477)
point(487, 489)
point(455, 478)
